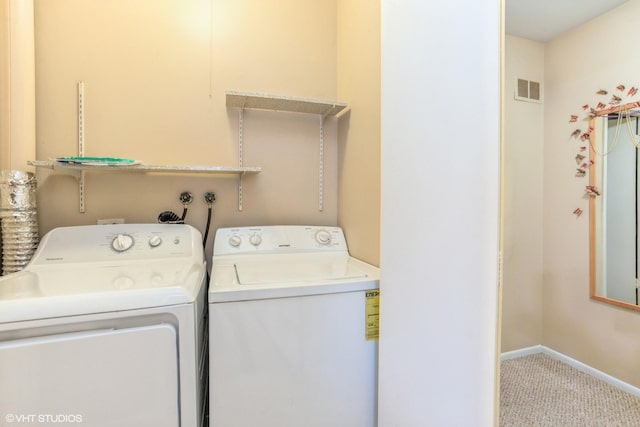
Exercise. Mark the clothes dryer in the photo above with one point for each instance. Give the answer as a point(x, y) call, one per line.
point(106, 327)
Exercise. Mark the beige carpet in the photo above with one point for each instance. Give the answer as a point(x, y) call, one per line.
point(538, 390)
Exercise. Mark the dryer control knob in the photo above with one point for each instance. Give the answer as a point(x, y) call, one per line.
point(122, 242)
point(323, 237)
point(255, 239)
point(123, 283)
point(235, 240)
point(155, 241)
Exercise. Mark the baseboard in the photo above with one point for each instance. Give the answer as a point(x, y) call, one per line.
point(574, 363)
point(527, 351)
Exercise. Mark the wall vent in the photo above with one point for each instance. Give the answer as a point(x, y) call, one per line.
point(528, 90)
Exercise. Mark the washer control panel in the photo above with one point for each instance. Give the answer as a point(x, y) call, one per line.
point(279, 239)
point(133, 242)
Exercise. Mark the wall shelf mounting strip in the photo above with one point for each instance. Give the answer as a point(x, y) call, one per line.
point(78, 170)
point(322, 108)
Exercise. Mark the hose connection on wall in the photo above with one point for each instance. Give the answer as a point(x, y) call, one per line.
point(209, 199)
point(186, 198)
point(169, 217)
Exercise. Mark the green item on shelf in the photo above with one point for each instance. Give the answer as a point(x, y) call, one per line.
point(97, 161)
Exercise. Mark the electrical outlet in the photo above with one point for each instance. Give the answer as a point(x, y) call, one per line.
point(108, 221)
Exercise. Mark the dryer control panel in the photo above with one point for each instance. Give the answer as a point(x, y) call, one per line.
point(279, 239)
point(119, 242)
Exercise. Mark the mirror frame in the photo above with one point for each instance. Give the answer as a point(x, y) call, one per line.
point(593, 253)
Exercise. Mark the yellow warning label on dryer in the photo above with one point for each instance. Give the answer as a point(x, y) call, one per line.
point(372, 314)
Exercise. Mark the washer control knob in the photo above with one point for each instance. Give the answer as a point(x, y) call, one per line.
point(155, 241)
point(255, 239)
point(323, 237)
point(235, 240)
point(122, 242)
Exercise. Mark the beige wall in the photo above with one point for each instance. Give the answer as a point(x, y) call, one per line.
point(17, 85)
point(155, 73)
point(5, 110)
point(546, 288)
point(523, 164)
point(576, 66)
point(359, 129)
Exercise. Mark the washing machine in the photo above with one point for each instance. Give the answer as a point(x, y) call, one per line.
point(106, 327)
point(293, 329)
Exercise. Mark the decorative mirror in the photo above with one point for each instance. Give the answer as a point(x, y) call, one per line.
point(614, 206)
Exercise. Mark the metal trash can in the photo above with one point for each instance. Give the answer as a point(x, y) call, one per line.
point(18, 219)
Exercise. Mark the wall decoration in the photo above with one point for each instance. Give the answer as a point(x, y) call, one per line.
point(584, 134)
point(592, 191)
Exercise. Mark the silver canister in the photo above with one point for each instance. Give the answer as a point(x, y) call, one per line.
point(18, 219)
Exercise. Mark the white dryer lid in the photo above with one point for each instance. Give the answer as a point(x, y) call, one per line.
point(71, 290)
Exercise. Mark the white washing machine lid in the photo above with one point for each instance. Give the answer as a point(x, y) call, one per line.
point(77, 289)
point(278, 276)
point(305, 270)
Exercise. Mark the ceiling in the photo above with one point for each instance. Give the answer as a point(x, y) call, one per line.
point(544, 20)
